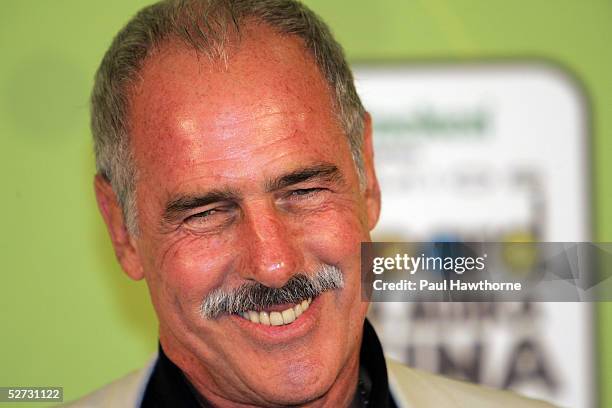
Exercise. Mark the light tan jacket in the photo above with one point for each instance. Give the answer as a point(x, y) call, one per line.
point(410, 389)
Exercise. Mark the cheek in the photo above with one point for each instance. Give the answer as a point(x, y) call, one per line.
point(187, 269)
point(335, 239)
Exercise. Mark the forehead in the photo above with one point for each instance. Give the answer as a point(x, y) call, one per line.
point(187, 109)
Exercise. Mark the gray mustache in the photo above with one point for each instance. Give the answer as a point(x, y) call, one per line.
point(256, 296)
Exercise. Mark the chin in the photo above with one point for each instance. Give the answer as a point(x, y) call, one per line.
point(296, 383)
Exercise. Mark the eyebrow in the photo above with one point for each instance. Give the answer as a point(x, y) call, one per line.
point(324, 171)
point(177, 206)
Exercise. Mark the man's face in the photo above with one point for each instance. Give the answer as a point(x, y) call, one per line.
point(245, 175)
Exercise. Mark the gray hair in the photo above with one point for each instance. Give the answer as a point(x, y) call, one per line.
point(205, 25)
point(256, 296)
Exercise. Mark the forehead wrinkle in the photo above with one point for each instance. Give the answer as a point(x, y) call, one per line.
point(225, 124)
point(231, 118)
point(201, 153)
point(248, 150)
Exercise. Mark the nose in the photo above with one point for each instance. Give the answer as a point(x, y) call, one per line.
point(272, 255)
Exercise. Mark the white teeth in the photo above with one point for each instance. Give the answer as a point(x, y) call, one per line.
point(264, 318)
point(287, 316)
point(254, 316)
point(297, 309)
point(276, 319)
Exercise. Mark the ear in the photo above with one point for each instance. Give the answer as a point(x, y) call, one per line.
point(372, 191)
point(123, 243)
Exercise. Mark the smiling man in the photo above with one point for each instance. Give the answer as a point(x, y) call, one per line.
point(235, 175)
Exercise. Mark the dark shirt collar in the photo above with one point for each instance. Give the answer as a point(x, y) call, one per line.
point(168, 387)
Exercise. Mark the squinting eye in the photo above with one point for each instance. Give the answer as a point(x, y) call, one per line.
point(210, 218)
point(204, 214)
point(209, 215)
point(305, 191)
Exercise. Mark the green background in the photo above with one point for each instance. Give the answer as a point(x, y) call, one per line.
point(69, 316)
